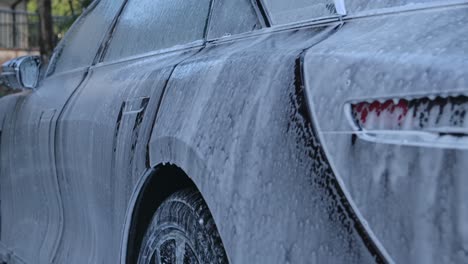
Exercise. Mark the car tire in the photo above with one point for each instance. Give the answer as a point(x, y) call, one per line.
point(182, 231)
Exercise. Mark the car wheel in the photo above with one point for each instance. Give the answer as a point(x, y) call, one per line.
point(182, 231)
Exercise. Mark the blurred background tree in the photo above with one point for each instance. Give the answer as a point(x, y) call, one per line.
point(62, 7)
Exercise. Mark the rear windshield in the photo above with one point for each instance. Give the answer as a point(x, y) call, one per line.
point(283, 12)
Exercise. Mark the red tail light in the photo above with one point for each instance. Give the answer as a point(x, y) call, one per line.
point(438, 117)
point(423, 114)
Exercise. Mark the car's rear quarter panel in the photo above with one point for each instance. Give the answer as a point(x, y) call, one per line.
point(233, 119)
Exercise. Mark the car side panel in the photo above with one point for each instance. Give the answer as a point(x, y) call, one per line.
point(102, 146)
point(233, 119)
point(32, 213)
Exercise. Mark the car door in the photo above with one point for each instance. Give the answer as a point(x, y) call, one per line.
point(102, 141)
point(32, 208)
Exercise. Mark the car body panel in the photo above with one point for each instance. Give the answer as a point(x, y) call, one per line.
point(109, 119)
point(33, 186)
point(33, 223)
point(412, 196)
point(230, 120)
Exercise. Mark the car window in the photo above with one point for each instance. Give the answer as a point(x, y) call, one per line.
point(232, 17)
point(148, 25)
point(81, 43)
point(354, 6)
point(283, 12)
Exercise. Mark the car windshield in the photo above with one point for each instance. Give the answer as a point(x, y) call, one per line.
point(283, 12)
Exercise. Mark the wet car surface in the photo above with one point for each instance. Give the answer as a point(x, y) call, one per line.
point(305, 134)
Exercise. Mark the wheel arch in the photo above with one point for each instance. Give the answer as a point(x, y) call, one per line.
point(167, 175)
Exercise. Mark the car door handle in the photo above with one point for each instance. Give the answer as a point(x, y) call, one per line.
point(135, 106)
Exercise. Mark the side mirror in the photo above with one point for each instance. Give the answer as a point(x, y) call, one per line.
point(21, 73)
